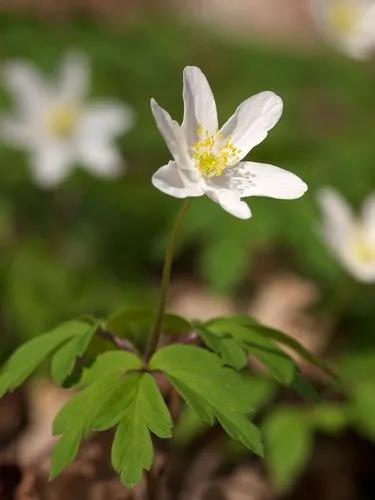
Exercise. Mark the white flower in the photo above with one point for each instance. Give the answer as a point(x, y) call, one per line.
point(351, 238)
point(207, 160)
point(53, 122)
point(349, 24)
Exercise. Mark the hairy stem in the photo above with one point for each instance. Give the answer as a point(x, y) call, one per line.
point(168, 260)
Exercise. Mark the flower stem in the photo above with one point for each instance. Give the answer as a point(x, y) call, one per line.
point(168, 260)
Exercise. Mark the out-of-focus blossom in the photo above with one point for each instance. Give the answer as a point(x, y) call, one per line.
point(208, 160)
point(349, 24)
point(56, 125)
point(351, 238)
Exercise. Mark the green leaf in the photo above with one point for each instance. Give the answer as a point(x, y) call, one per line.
point(132, 450)
point(288, 442)
point(110, 362)
point(64, 359)
point(212, 390)
point(362, 407)
point(116, 402)
point(279, 364)
point(27, 357)
point(330, 417)
point(74, 422)
point(227, 348)
point(123, 322)
point(78, 417)
point(282, 338)
point(154, 409)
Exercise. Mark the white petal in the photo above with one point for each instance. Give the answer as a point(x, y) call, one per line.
point(100, 157)
point(199, 105)
point(73, 77)
point(252, 120)
point(105, 120)
point(26, 85)
point(230, 202)
point(173, 136)
point(51, 164)
point(17, 132)
point(258, 179)
point(338, 219)
point(169, 180)
point(362, 271)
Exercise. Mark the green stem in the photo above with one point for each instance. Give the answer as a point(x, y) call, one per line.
point(168, 260)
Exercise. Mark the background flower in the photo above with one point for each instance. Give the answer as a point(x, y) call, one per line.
point(349, 24)
point(351, 238)
point(53, 121)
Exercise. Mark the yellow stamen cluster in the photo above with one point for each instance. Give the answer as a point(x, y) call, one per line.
point(364, 249)
point(212, 153)
point(62, 120)
point(342, 16)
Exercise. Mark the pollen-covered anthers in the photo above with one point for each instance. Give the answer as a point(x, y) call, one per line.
point(212, 153)
point(342, 16)
point(61, 120)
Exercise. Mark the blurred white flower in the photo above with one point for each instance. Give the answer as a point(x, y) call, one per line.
point(349, 24)
point(55, 124)
point(207, 160)
point(351, 238)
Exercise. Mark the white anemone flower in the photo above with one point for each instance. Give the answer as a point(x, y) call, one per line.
point(348, 24)
point(56, 125)
point(207, 160)
point(351, 238)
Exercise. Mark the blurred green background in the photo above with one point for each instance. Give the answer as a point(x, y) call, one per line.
point(93, 245)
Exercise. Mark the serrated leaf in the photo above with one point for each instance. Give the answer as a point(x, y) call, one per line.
point(132, 450)
point(116, 402)
point(241, 429)
point(73, 422)
point(283, 338)
point(212, 390)
point(27, 357)
point(64, 451)
point(288, 441)
point(77, 418)
point(110, 362)
point(227, 348)
point(279, 364)
point(154, 409)
point(64, 359)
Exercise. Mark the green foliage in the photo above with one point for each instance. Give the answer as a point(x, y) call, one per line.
point(231, 351)
point(73, 336)
point(135, 323)
point(132, 449)
point(213, 391)
point(88, 409)
point(117, 394)
point(260, 340)
point(288, 443)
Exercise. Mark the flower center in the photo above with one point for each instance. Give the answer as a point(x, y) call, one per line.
point(343, 17)
point(363, 248)
point(62, 120)
point(212, 154)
